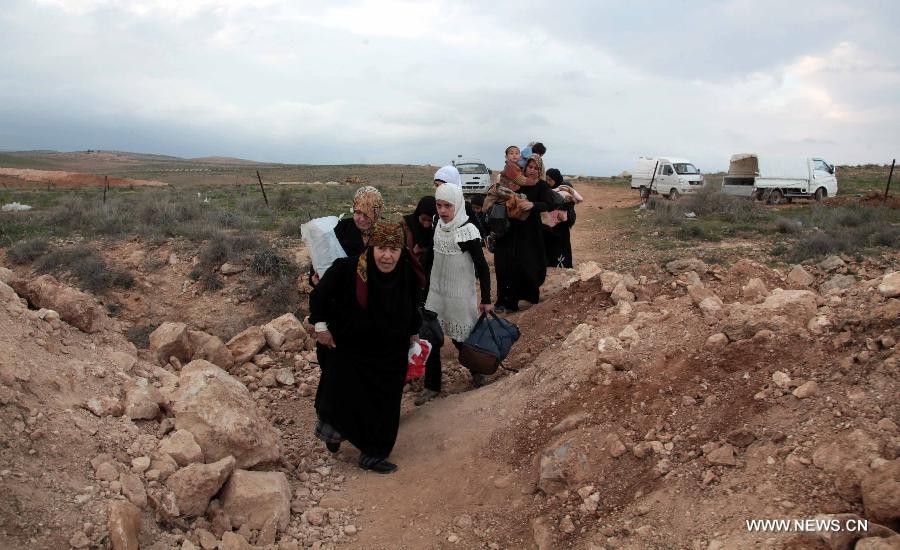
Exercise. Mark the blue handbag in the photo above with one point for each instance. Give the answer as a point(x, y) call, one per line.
point(488, 344)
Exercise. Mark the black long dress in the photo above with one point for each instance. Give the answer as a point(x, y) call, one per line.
point(359, 393)
point(558, 239)
point(519, 256)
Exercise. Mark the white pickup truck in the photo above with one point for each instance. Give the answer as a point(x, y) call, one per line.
point(776, 180)
point(667, 176)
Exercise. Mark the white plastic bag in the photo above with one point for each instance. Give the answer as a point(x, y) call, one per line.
point(15, 207)
point(323, 245)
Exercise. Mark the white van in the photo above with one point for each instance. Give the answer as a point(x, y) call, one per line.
point(776, 179)
point(669, 176)
point(474, 176)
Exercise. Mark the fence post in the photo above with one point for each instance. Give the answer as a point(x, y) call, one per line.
point(105, 187)
point(265, 198)
point(888, 186)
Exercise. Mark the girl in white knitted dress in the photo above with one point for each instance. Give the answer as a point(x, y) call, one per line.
point(458, 258)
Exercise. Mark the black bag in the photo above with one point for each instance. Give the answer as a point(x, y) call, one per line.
point(431, 329)
point(498, 219)
point(488, 344)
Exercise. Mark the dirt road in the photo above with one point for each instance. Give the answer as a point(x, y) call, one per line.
point(447, 472)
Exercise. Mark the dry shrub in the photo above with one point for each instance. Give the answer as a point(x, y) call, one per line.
point(28, 250)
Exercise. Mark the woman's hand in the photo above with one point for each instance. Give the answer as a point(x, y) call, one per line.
point(413, 339)
point(326, 339)
point(485, 308)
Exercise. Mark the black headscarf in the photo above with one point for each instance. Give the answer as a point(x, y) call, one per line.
point(554, 178)
point(423, 236)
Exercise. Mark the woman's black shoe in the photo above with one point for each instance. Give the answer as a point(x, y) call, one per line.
point(378, 465)
point(333, 447)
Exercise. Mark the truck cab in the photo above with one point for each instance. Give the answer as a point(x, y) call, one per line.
point(669, 176)
point(474, 176)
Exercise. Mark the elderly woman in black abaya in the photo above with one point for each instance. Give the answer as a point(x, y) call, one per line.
point(364, 310)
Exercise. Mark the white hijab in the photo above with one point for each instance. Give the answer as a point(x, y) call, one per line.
point(449, 174)
point(454, 195)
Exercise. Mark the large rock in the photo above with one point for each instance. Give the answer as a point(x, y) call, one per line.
point(831, 263)
point(246, 344)
point(274, 339)
point(755, 290)
point(288, 325)
point(890, 285)
point(6, 275)
point(800, 277)
point(182, 447)
point(142, 400)
point(8, 295)
point(74, 307)
point(581, 335)
point(123, 520)
point(195, 484)
point(219, 411)
point(855, 447)
point(210, 348)
point(588, 270)
point(170, 340)
point(252, 498)
point(881, 494)
point(621, 294)
point(609, 280)
point(133, 489)
point(688, 264)
point(559, 466)
point(781, 310)
point(838, 282)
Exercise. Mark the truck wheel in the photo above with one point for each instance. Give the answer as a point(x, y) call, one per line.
point(775, 197)
point(820, 194)
point(673, 194)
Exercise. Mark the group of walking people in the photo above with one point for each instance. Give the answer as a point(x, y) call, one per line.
point(369, 307)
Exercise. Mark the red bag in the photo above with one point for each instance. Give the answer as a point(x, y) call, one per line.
point(418, 354)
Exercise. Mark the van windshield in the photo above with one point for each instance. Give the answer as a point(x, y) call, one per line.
point(686, 168)
point(472, 168)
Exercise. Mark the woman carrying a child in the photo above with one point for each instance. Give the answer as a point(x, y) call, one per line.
point(519, 256)
point(558, 223)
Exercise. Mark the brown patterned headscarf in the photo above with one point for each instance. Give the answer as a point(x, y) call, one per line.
point(388, 234)
point(540, 164)
point(392, 235)
point(369, 201)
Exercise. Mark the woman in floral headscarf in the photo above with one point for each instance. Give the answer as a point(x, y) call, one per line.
point(354, 233)
point(365, 313)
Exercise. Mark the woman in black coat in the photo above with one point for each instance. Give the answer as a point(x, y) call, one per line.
point(558, 239)
point(520, 260)
point(364, 311)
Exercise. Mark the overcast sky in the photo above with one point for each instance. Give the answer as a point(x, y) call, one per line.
point(348, 81)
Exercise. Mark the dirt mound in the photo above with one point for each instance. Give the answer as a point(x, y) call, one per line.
point(872, 199)
point(72, 180)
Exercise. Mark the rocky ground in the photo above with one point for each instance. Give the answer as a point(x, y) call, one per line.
point(652, 406)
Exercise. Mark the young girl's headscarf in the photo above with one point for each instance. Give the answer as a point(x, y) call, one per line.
point(453, 195)
point(449, 174)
